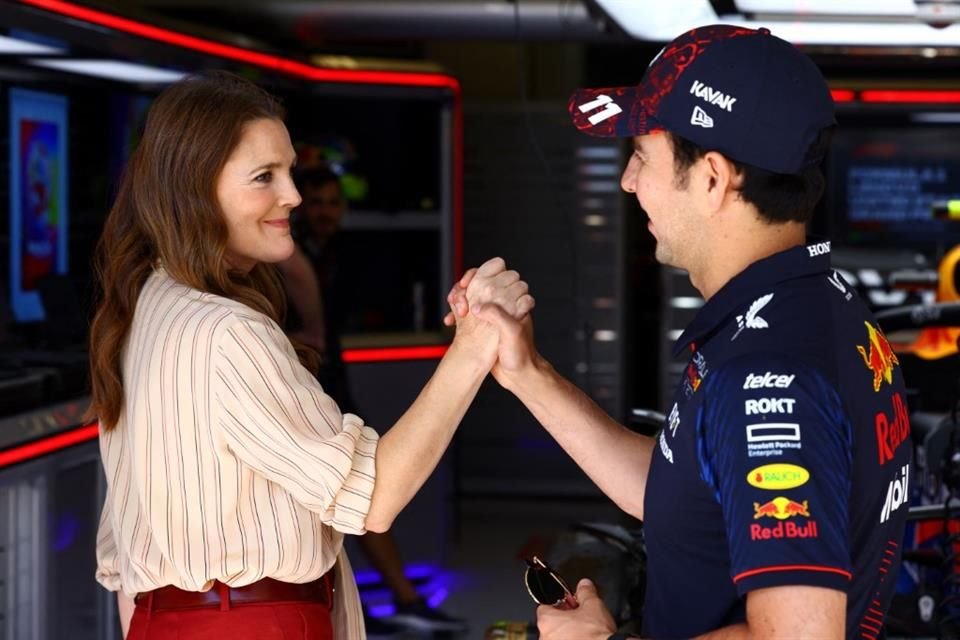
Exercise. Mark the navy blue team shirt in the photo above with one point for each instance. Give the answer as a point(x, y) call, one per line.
point(785, 457)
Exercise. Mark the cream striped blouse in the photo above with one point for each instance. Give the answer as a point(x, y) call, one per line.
point(229, 462)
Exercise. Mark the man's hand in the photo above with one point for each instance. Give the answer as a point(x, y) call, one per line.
point(488, 291)
point(499, 297)
point(589, 621)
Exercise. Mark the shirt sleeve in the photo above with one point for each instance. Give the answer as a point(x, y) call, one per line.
point(776, 447)
point(277, 419)
point(108, 573)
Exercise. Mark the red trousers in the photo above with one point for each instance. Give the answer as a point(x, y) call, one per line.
point(260, 621)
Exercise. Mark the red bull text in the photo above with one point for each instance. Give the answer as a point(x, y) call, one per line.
point(892, 432)
point(786, 530)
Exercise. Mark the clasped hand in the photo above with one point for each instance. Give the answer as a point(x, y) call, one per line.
point(493, 298)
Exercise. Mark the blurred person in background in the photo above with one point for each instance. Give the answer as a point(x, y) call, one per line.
point(316, 316)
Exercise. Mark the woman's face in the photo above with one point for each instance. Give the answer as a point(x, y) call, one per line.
point(256, 193)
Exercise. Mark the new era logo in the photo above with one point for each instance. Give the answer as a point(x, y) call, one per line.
point(701, 119)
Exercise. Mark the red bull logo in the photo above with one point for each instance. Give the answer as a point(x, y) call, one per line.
point(693, 377)
point(781, 508)
point(880, 358)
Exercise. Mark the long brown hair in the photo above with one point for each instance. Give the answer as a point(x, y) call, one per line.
point(167, 211)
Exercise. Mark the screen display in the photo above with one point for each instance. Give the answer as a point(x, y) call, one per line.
point(38, 196)
point(885, 185)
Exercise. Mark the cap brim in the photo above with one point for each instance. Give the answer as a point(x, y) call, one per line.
point(618, 112)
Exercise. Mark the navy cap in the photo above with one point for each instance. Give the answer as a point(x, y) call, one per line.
point(743, 92)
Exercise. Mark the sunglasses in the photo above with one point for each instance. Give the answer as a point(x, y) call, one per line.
point(546, 586)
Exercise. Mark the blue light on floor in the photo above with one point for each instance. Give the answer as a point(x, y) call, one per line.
point(420, 571)
point(366, 576)
point(413, 572)
point(381, 610)
point(438, 597)
point(434, 585)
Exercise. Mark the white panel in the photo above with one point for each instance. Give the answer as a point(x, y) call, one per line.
point(15, 46)
point(659, 20)
point(834, 7)
point(888, 34)
point(112, 70)
point(887, 23)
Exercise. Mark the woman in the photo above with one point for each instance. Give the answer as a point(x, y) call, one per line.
point(231, 475)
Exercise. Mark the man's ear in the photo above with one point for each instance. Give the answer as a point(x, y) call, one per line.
point(721, 178)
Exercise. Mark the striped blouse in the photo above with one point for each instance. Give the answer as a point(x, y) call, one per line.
point(229, 462)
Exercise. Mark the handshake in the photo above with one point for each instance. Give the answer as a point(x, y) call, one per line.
point(490, 306)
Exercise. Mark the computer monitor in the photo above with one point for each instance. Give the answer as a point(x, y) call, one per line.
point(38, 196)
point(885, 184)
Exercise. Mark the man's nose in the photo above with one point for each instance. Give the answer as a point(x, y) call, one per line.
point(628, 180)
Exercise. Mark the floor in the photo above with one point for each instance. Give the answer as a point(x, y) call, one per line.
point(482, 576)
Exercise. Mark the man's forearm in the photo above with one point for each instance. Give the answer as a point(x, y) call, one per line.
point(614, 457)
point(787, 612)
point(733, 632)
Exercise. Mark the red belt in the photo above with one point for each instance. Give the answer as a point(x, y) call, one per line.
point(223, 597)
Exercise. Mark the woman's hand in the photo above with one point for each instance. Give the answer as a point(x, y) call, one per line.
point(489, 285)
point(499, 297)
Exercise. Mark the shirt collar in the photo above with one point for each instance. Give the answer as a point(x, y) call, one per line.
point(795, 262)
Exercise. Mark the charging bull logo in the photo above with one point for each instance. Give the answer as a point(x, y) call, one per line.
point(781, 508)
point(696, 371)
point(880, 358)
point(693, 378)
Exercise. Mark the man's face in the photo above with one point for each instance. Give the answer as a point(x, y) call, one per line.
point(322, 209)
point(650, 174)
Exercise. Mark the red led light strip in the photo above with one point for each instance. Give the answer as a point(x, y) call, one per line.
point(897, 96)
point(925, 96)
point(48, 445)
point(842, 95)
point(394, 354)
point(240, 54)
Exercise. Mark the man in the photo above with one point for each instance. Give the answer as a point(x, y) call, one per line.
point(317, 319)
point(774, 498)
